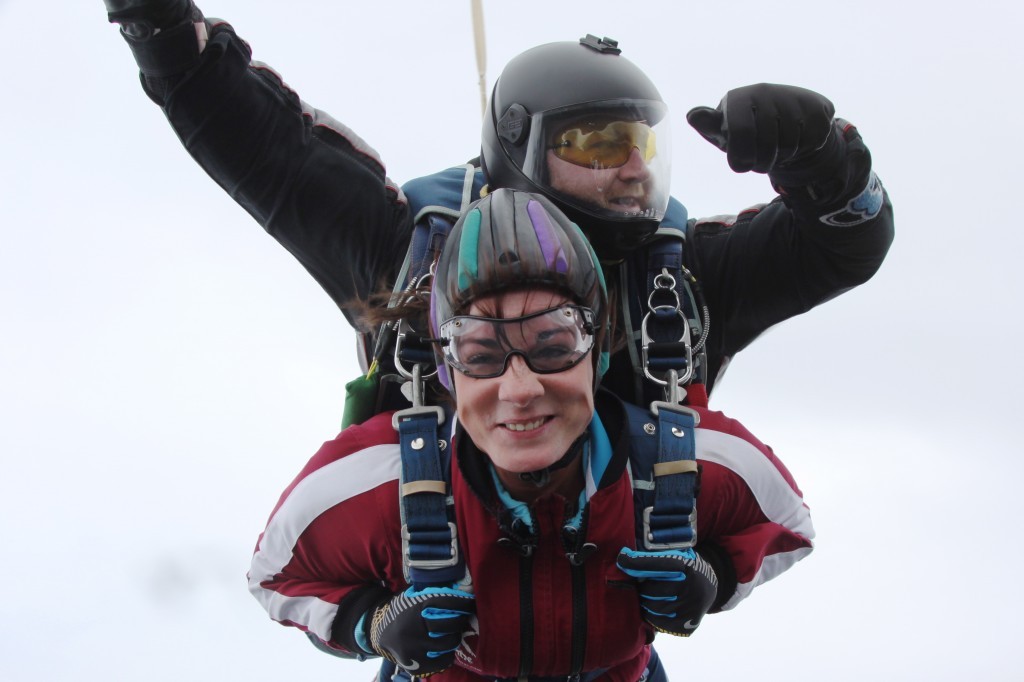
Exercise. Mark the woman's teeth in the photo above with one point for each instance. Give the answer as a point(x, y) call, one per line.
point(528, 426)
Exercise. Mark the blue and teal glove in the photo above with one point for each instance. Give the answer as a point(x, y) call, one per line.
point(420, 631)
point(677, 587)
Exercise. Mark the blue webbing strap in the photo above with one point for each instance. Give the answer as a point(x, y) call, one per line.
point(429, 542)
point(430, 551)
point(671, 522)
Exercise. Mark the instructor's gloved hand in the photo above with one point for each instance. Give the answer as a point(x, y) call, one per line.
point(143, 17)
point(766, 127)
point(420, 631)
point(677, 587)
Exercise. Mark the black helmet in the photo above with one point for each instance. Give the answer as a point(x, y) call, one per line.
point(510, 240)
point(561, 106)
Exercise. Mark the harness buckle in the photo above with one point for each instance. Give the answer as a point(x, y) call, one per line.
point(664, 287)
point(658, 405)
point(418, 408)
point(429, 564)
point(410, 346)
point(648, 537)
point(413, 412)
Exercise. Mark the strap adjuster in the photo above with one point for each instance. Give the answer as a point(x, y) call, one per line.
point(674, 507)
point(414, 412)
point(430, 564)
point(648, 538)
point(659, 405)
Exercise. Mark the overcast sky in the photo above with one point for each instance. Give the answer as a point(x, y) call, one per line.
point(166, 368)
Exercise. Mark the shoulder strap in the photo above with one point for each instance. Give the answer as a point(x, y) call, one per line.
point(430, 548)
point(663, 467)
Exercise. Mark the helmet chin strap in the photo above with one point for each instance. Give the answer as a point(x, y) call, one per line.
point(541, 477)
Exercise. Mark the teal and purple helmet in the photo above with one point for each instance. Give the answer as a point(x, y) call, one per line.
point(513, 240)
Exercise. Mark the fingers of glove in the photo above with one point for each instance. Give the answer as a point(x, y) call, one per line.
point(661, 590)
point(752, 128)
point(771, 124)
point(440, 616)
point(804, 121)
point(445, 628)
point(663, 566)
point(160, 13)
point(666, 607)
point(446, 604)
point(710, 124)
point(817, 113)
point(409, 622)
point(441, 644)
point(443, 621)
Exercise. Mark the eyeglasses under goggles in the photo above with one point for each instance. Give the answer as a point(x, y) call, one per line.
point(549, 341)
point(604, 145)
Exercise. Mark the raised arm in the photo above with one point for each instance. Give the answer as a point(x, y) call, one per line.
point(312, 184)
point(827, 231)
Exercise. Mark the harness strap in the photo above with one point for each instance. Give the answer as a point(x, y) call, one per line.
point(430, 549)
point(671, 521)
point(665, 309)
point(665, 257)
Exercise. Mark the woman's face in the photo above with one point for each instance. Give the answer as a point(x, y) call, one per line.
point(525, 421)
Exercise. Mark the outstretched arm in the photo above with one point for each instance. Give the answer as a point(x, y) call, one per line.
point(312, 184)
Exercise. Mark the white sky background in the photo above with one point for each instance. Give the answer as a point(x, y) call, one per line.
point(166, 368)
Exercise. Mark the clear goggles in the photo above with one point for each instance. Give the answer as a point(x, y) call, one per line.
point(604, 144)
point(549, 341)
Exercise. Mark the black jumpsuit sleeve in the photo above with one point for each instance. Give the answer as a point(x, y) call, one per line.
point(313, 185)
point(781, 259)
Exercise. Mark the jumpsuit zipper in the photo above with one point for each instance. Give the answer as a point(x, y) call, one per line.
point(526, 612)
point(579, 619)
point(577, 551)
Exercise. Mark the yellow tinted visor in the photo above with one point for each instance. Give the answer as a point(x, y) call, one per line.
point(604, 145)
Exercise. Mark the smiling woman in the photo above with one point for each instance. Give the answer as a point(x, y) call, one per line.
point(522, 273)
point(528, 421)
point(547, 576)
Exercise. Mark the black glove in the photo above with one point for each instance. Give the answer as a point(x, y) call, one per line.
point(142, 18)
point(420, 631)
point(766, 127)
point(676, 587)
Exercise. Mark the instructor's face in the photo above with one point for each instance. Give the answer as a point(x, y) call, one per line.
point(603, 161)
point(624, 189)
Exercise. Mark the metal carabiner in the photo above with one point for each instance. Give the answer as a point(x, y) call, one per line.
point(664, 283)
point(416, 382)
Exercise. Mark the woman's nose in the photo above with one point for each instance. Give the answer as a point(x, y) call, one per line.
point(519, 384)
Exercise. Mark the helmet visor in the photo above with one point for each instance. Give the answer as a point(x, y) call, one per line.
point(610, 159)
point(549, 341)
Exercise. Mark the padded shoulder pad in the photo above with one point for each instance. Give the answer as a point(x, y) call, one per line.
point(447, 192)
point(676, 215)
